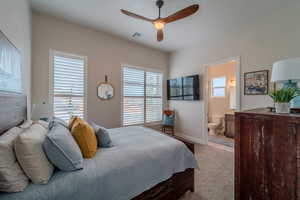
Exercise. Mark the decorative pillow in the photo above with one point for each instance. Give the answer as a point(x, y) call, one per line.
point(85, 138)
point(74, 120)
point(62, 150)
point(12, 177)
point(103, 138)
point(26, 124)
point(56, 120)
point(43, 123)
point(30, 154)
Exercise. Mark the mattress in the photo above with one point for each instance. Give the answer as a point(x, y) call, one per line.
point(140, 159)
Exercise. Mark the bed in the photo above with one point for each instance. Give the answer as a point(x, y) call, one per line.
point(142, 165)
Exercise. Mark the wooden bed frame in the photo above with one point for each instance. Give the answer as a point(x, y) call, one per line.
point(13, 111)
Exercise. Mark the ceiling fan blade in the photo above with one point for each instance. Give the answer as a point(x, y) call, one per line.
point(136, 16)
point(160, 35)
point(182, 14)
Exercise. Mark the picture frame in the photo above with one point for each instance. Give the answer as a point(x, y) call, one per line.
point(256, 83)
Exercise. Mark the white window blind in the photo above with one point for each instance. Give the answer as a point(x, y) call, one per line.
point(153, 97)
point(68, 86)
point(142, 96)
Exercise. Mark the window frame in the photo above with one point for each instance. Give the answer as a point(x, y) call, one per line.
point(51, 79)
point(145, 69)
point(212, 87)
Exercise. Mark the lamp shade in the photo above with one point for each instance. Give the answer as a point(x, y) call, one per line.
point(285, 70)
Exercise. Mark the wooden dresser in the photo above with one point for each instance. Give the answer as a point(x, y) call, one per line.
point(267, 156)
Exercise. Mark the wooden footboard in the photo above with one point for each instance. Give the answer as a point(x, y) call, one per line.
point(174, 187)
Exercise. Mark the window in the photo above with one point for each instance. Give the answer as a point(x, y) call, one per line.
point(142, 96)
point(68, 85)
point(218, 87)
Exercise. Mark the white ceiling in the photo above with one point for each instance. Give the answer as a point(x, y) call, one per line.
point(215, 18)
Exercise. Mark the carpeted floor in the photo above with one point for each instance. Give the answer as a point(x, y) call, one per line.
point(214, 179)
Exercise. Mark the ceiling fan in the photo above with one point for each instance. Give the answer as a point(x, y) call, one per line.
point(160, 23)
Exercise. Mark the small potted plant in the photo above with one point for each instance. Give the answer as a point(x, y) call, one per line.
point(282, 99)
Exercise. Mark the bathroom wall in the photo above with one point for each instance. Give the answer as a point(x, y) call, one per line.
point(218, 106)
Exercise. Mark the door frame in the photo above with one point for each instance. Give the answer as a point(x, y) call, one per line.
point(237, 59)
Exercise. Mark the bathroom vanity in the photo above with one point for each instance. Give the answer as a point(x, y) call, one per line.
point(229, 125)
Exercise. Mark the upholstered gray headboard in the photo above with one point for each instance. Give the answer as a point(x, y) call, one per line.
point(13, 110)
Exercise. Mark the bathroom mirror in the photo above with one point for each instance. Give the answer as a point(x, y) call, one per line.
point(105, 91)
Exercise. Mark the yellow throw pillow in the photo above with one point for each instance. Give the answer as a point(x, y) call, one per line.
point(73, 121)
point(85, 137)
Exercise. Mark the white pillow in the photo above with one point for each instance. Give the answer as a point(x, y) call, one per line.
point(12, 177)
point(26, 124)
point(43, 123)
point(30, 154)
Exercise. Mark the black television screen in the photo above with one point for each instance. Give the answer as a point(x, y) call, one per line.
point(185, 88)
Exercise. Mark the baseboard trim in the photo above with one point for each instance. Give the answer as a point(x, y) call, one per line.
point(191, 138)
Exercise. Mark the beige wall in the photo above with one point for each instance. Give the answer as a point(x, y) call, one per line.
point(272, 38)
point(105, 54)
point(218, 106)
point(15, 23)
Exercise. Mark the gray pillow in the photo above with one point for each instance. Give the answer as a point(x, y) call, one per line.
point(62, 150)
point(56, 120)
point(103, 137)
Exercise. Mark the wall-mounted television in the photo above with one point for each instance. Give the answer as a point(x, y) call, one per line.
point(184, 88)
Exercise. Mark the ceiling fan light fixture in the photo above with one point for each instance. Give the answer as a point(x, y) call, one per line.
point(159, 25)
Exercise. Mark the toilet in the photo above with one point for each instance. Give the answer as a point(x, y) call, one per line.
point(215, 125)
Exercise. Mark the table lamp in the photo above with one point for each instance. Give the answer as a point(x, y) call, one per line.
point(288, 73)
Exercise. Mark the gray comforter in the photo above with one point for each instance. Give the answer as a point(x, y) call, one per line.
point(140, 159)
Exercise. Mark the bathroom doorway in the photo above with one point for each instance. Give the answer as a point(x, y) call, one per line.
point(222, 80)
